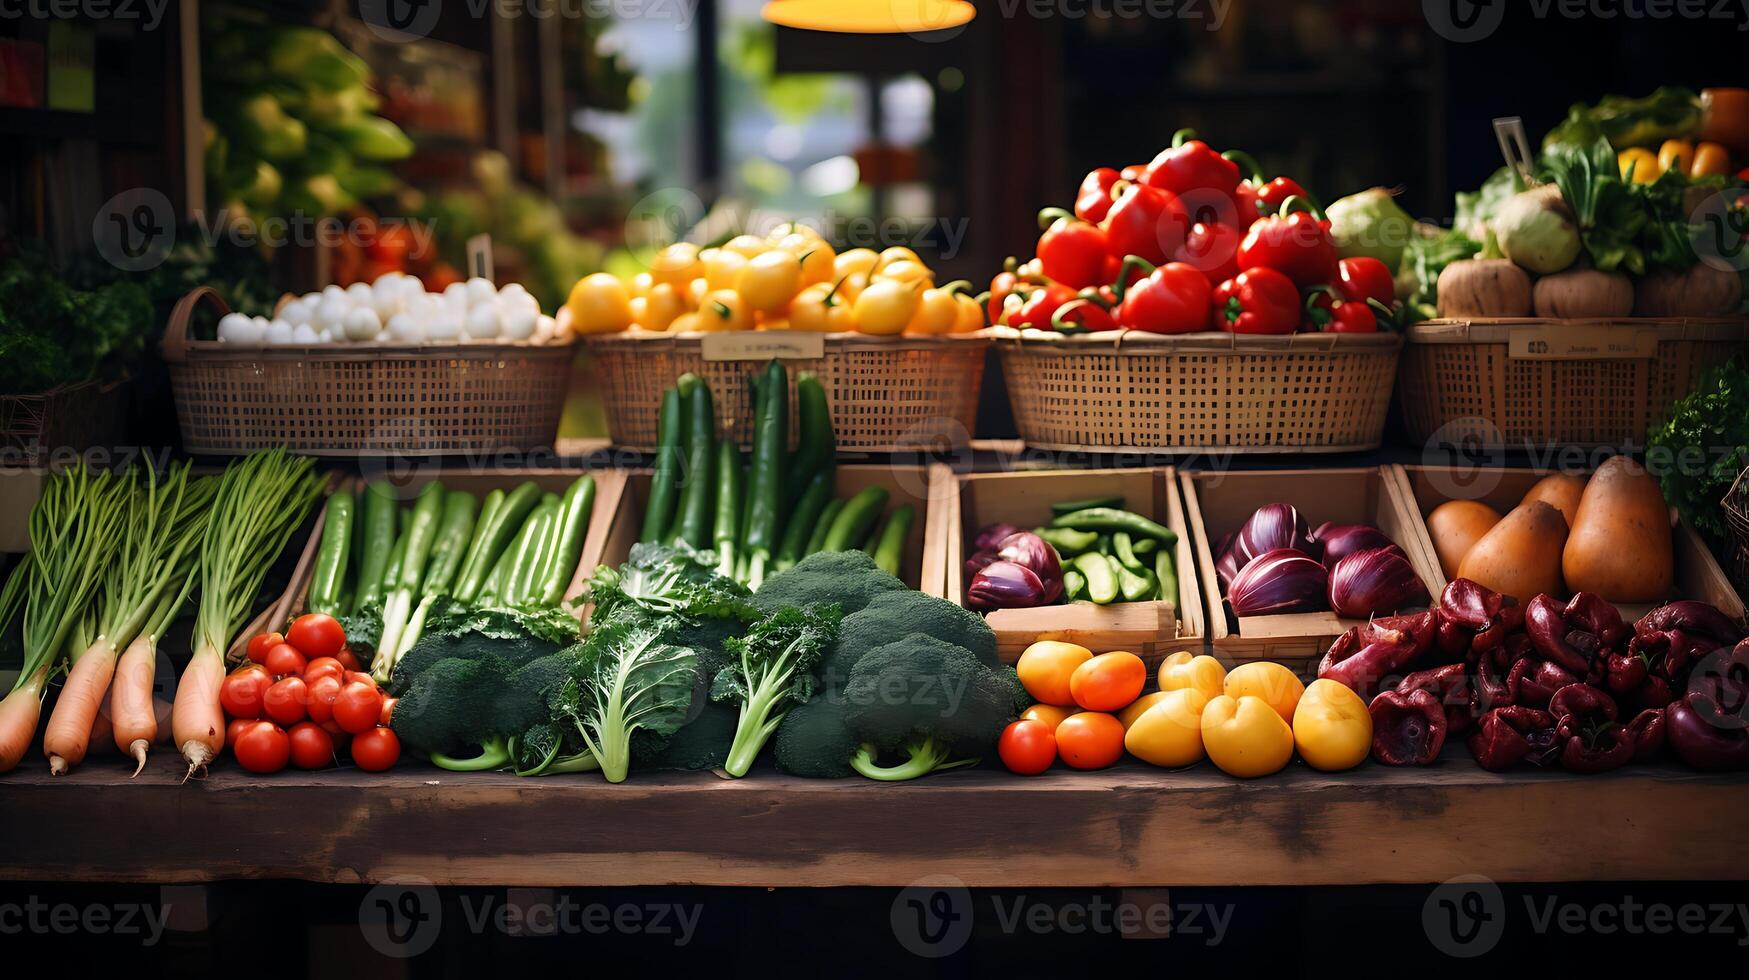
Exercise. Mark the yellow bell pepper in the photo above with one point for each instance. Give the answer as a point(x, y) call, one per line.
point(1245, 737)
point(1710, 160)
point(937, 312)
point(905, 270)
point(969, 313)
point(1187, 670)
point(721, 267)
point(1271, 683)
point(1170, 732)
point(1675, 155)
point(817, 256)
point(897, 253)
point(1638, 164)
point(769, 281)
point(857, 260)
point(599, 303)
point(886, 307)
point(685, 323)
point(1332, 728)
point(748, 246)
point(1129, 715)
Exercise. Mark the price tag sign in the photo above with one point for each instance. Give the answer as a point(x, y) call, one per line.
point(750, 345)
point(480, 258)
point(1580, 341)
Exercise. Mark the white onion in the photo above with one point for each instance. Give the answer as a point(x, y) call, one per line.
point(278, 332)
point(405, 328)
point(295, 312)
point(481, 291)
point(520, 325)
point(235, 328)
point(363, 324)
point(332, 291)
point(304, 335)
point(443, 326)
point(482, 322)
point(360, 295)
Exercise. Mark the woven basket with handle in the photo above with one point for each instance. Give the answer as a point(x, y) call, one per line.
point(1126, 390)
point(1537, 382)
point(888, 394)
point(363, 399)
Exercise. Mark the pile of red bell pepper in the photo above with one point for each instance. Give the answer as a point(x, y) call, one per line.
point(1195, 240)
point(1551, 683)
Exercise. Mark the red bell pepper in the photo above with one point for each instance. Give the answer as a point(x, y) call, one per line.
point(1093, 199)
point(1706, 734)
point(1408, 729)
point(1257, 196)
point(1363, 277)
point(1189, 166)
point(1133, 172)
point(1174, 298)
point(1001, 285)
point(1257, 301)
point(1145, 222)
point(1295, 241)
point(1082, 315)
point(1071, 251)
point(1212, 247)
point(1037, 307)
point(1327, 311)
point(1499, 741)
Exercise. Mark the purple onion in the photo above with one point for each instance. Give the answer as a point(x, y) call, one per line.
point(1027, 548)
point(976, 563)
point(1375, 582)
point(1270, 527)
point(1006, 585)
point(990, 538)
point(1341, 540)
point(1284, 580)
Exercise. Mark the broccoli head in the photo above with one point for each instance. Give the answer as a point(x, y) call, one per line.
point(814, 740)
point(1011, 679)
point(892, 615)
point(921, 689)
point(702, 743)
point(848, 579)
point(457, 704)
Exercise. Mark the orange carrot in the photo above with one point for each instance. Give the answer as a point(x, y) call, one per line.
point(19, 713)
point(131, 709)
point(69, 730)
point(102, 740)
point(197, 723)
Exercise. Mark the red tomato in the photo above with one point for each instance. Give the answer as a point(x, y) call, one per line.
point(358, 708)
point(263, 747)
point(311, 747)
point(317, 635)
point(359, 677)
point(285, 660)
point(1027, 747)
point(240, 693)
point(388, 714)
point(376, 750)
point(322, 667)
point(235, 728)
point(287, 700)
point(324, 691)
point(348, 661)
point(260, 643)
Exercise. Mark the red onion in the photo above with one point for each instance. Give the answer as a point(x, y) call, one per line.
point(976, 563)
point(1375, 582)
point(1272, 526)
point(1027, 548)
point(990, 538)
point(1341, 540)
point(1006, 585)
point(1280, 581)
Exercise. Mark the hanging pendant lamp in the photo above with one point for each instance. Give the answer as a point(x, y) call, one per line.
point(869, 16)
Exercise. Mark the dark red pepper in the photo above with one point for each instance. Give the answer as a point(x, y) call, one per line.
point(1647, 729)
point(1534, 682)
point(1363, 658)
point(1586, 724)
point(1295, 241)
point(1174, 298)
point(1212, 247)
point(1146, 222)
point(1407, 729)
point(1093, 200)
point(1470, 605)
point(1451, 685)
point(1704, 736)
point(1545, 622)
point(1071, 251)
point(1257, 301)
point(1190, 166)
point(1489, 689)
point(1500, 740)
point(1508, 622)
point(1673, 636)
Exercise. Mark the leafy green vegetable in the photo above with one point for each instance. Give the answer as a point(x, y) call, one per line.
point(667, 580)
point(52, 333)
point(626, 678)
point(771, 670)
point(1610, 216)
point(1704, 445)
point(1423, 261)
point(1670, 111)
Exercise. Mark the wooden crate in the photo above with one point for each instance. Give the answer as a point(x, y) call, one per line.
point(919, 486)
point(1150, 630)
point(1698, 575)
point(1219, 503)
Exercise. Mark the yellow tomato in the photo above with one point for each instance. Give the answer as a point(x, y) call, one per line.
point(1045, 669)
point(1129, 715)
point(769, 281)
point(851, 286)
point(696, 290)
point(1187, 670)
point(969, 314)
point(1710, 160)
point(1643, 163)
point(1169, 733)
point(817, 309)
point(659, 309)
point(856, 260)
point(1245, 737)
point(599, 303)
point(905, 270)
point(640, 285)
point(749, 246)
point(937, 312)
point(676, 265)
point(1332, 728)
point(764, 321)
point(1677, 155)
point(723, 309)
point(685, 323)
point(1270, 683)
point(780, 232)
point(1108, 682)
point(721, 267)
point(1051, 714)
point(897, 253)
point(885, 307)
point(817, 257)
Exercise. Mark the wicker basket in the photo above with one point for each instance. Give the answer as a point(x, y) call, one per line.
point(70, 417)
point(363, 399)
point(1124, 390)
point(1530, 382)
point(888, 394)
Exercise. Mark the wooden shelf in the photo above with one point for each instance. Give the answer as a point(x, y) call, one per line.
point(1127, 826)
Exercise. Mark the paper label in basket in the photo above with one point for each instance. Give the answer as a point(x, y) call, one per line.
point(1580, 341)
point(763, 345)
